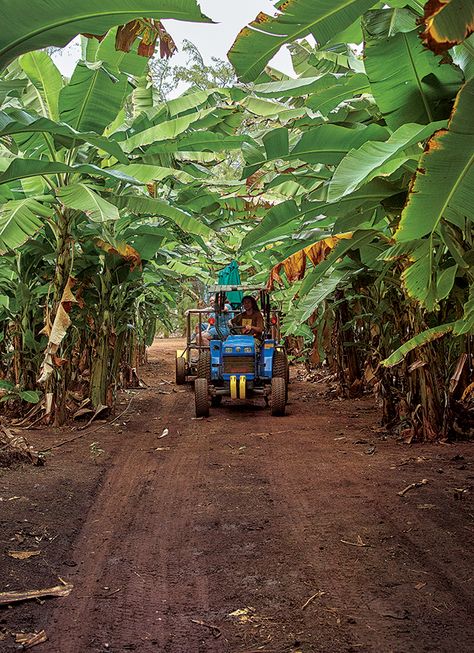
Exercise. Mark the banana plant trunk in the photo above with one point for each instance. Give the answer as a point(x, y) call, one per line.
point(101, 362)
point(57, 383)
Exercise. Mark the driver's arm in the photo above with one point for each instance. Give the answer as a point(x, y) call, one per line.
point(257, 328)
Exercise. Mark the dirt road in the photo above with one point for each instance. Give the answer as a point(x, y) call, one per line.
point(241, 532)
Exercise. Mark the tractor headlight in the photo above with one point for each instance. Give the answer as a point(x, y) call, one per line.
point(238, 348)
point(228, 350)
point(248, 350)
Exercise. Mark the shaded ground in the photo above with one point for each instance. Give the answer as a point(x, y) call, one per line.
point(240, 513)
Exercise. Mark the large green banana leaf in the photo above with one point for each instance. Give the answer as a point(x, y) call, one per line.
point(83, 198)
point(20, 169)
point(318, 293)
point(419, 340)
point(409, 83)
point(262, 39)
point(93, 98)
point(293, 87)
point(330, 143)
point(375, 158)
point(148, 173)
point(16, 121)
point(444, 184)
point(199, 141)
point(31, 25)
point(147, 206)
point(331, 90)
point(166, 130)
point(325, 143)
point(188, 101)
point(20, 220)
point(47, 80)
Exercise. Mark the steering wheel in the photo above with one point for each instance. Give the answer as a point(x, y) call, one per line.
point(235, 329)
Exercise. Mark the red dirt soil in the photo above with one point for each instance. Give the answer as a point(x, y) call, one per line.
point(244, 513)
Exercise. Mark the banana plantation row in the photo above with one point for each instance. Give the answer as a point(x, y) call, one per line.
point(348, 189)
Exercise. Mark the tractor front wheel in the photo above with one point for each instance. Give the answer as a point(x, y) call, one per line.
point(201, 397)
point(180, 370)
point(278, 396)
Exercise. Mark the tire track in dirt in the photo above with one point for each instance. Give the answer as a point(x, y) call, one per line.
point(136, 543)
point(246, 512)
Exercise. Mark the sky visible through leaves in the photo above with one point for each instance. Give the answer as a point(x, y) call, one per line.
point(211, 40)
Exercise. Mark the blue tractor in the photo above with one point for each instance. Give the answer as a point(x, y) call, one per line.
point(241, 366)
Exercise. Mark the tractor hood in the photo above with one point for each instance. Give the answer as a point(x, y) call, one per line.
point(238, 344)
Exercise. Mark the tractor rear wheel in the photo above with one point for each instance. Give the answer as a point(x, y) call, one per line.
point(281, 368)
point(180, 370)
point(204, 365)
point(201, 397)
point(278, 396)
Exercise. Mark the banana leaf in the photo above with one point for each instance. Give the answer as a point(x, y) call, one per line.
point(93, 98)
point(47, 80)
point(147, 206)
point(262, 39)
point(16, 121)
point(444, 184)
point(447, 23)
point(56, 22)
point(23, 168)
point(331, 90)
point(371, 159)
point(83, 198)
point(409, 83)
point(419, 340)
point(19, 221)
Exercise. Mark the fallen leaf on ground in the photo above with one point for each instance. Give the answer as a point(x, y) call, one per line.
point(242, 614)
point(164, 434)
point(23, 555)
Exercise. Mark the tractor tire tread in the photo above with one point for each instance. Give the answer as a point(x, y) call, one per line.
point(204, 365)
point(201, 397)
point(278, 396)
point(280, 364)
point(180, 370)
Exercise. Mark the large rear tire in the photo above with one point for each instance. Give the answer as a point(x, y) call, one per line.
point(281, 368)
point(204, 365)
point(280, 364)
point(201, 397)
point(278, 396)
point(180, 370)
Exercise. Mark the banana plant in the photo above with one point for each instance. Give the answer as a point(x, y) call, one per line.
point(368, 156)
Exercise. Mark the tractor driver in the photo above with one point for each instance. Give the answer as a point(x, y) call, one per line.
point(251, 320)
